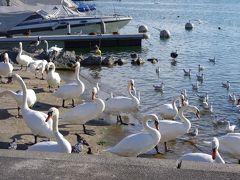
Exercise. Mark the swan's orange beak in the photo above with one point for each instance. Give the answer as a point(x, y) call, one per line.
point(214, 153)
point(49, 116)
point(156, 125)
point(198, 114)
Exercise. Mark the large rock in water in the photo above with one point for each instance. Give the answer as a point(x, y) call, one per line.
point(64, 59)
point(92, 61)
point(108, 61)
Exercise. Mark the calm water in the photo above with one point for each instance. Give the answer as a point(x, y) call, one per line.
point(194, 47)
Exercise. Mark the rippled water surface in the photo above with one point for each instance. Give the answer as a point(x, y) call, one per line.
point(194, 47)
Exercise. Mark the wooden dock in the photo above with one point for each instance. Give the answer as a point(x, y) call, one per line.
point(76, 41)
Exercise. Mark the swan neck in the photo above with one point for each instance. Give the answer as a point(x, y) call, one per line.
point(146, 126)
point(183, 118)
point(20, 51)
point(77, 75)
point(55, 122)
point(46, 46)
point(24, 89)
point(175, 107)
point(100, 104)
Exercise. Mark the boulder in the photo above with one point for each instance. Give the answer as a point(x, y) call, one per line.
point(120, 61)
point(92, 60)
point(64, 59)
point(108, 61)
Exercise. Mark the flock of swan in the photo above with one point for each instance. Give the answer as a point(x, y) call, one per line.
point(154, 131)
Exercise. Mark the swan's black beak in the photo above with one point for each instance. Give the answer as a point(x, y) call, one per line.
point(198, 114)
point(156, 125)
point(214, 153)
point(49, 116)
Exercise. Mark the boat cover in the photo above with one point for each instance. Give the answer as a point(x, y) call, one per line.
point(11, 16)
point(18, 3)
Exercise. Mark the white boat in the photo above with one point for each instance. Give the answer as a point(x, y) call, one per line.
point(42, 19)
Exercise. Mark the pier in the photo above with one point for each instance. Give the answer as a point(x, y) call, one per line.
point(76, 41)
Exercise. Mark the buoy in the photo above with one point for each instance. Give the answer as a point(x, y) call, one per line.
point(189, 26)
point(164, 34)
point(142, 29)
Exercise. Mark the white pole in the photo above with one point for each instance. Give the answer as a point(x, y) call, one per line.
point(69, 29)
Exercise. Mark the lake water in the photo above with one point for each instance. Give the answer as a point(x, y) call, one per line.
point(194, 47)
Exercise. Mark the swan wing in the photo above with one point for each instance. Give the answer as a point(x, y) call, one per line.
point(170, 130)
point(119, 104)
point(81, 113)
point(230, 143)
point(199, 157)
point(69, 91)
point(134, 145)
point(36, 122)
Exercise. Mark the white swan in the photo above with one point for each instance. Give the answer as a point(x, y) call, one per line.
point(121, 104)
point(226, 85)
point(200, 77)
point(159, 87)
point(187, 73)
point(35, 120)
point(138, 143)
point(200, 68)
point(71, 90)
point(53, 78)
point(195, 87)
point(86, 111)
point(202, 157)
point(232, 98)
point(170, 111)
point(203, 98)
point(213, 60)
point(37, 65)
point(229, 127)
point(6, 67)
point(230, 144)
point(170, 130)
point(18, 96)
point(207, 107)
point(61, 146)
point(53, 48)
point(21, 59)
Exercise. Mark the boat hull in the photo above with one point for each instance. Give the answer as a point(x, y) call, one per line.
point(84, 26)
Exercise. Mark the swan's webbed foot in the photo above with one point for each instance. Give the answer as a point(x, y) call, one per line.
point(89, 150)
point(157, 150)
point(35, 139)
point(63, 102)
point(21, 68)
point(73, 105)
point(18, 115)
point(119, 120)
point(88, 132)
point(166, 148)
